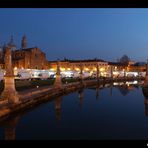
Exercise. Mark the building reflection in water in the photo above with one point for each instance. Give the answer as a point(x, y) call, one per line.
point(81, 97)
point(58, 102)
point(10, 128)
point(126, 87)
point(10, 125)
point(123, 89)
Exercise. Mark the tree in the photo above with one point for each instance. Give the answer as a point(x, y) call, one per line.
point(124, 59)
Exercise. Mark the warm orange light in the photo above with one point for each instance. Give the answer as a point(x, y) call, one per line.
point(62, 69)
point(95, 69)
point(77, 69)
point(52, 69)
point(102, 69)
point(86, 69)
point(68, 69)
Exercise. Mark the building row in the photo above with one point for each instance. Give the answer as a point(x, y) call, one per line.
point(35, 58)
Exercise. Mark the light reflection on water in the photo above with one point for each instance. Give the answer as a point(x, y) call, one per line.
point(110, 111)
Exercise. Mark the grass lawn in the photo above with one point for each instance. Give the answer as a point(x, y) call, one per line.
point(26, 84)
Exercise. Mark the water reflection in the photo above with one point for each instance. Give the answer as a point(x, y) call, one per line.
point(111, 88)
point(9, 125)
point(10, 128)
point(81, 97)
point(123, 89)
point(97, 92)
point(126, 87)
point(58, 102)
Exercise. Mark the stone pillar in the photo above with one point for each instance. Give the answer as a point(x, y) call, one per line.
point(9, 93)
point(58, 102)
point(138, 73)
point(97, 67)
point(81, 76)
point(58, 82)
point(81, 71)
point(111, 71)
point(124, 72)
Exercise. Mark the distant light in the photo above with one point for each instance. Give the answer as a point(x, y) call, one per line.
point(95, 69)
point(77, 69)
point(52, 69)
point(37, 86)
point(102, 69)
point(86, 69)
point(135, 82)
point(15, 68)
point(115, 72)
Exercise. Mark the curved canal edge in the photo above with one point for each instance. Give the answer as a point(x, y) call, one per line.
point(32, 97)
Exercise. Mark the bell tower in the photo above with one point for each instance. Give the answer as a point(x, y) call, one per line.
point(24, 42)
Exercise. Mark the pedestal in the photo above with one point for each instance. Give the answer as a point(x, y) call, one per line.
point(58, 82)
point(10, 92)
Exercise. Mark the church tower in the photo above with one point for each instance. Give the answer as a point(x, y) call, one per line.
point(11, 44)
point(24, 42)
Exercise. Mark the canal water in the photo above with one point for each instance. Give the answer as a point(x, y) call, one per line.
point(111, 112)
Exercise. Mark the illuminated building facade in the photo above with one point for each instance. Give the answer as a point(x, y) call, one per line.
point(105, 68)
point(75, 65)
point(27, 58)
point(34, 58)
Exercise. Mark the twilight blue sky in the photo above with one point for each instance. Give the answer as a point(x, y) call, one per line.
point(79, 33)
